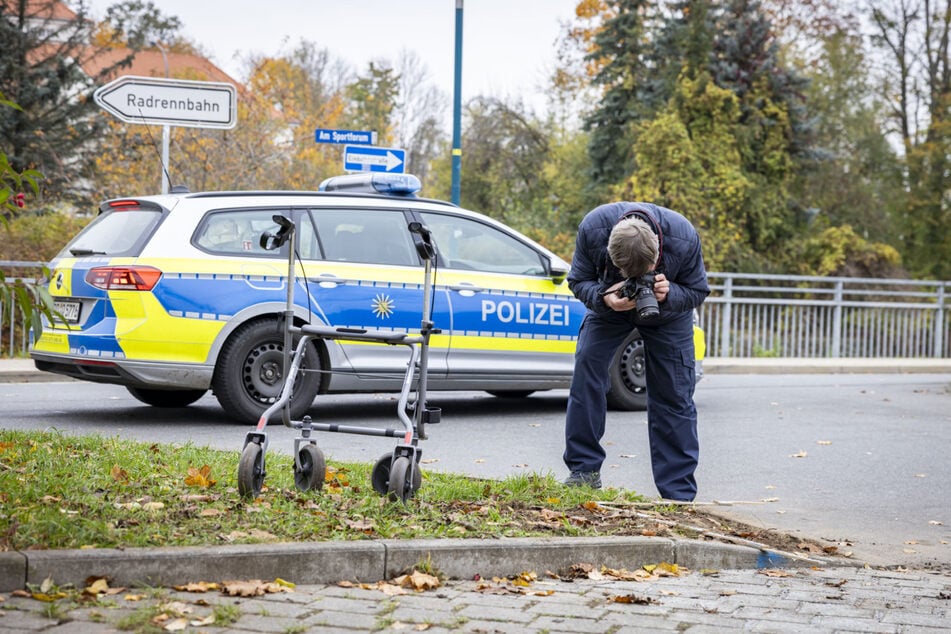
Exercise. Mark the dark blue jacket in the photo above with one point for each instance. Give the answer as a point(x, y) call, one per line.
point(681, 257)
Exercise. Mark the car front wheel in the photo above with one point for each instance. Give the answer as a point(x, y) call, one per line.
point(628, 375)
point(249, 375)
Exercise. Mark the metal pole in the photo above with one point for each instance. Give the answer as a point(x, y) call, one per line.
point(166, 134)
point(457, 111)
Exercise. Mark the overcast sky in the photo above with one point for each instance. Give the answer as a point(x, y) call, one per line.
point(508, 45)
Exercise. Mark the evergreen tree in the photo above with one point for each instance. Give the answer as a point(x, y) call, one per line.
point(620, 47)
point(41, 69)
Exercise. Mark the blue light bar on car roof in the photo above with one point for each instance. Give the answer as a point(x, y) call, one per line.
point(373, 183)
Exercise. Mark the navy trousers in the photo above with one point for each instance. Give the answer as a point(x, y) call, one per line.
point(671, 413)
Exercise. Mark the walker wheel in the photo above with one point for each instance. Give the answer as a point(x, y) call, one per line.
point(400, 488)
point(251, 471)
point(380, 476)
point(313, 468)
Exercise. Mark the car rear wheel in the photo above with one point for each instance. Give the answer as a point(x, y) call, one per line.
point(628, 374)
point(166, 398)
point(249, 375)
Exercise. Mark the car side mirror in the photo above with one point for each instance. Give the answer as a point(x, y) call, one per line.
point(558, 273)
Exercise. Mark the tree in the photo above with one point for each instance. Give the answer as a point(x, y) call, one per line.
point(617, 53)
point(914, 37)
point(41, 69)
point(505, 149)
point(33, 300)
point(372, 98)
point(136, 25)
point(856, 177)
point(418, 115)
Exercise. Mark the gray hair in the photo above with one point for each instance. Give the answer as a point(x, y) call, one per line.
point(632, 247)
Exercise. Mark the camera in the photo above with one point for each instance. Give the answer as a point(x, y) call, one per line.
point(641, 290)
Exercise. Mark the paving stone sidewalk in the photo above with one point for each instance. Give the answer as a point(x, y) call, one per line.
point(812, 600)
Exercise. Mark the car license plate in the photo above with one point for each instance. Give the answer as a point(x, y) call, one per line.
point(69, 310)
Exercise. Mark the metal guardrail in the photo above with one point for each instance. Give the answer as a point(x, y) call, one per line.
point(749, 315)
point(14, 336)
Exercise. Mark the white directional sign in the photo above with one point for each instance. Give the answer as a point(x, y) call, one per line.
point(368, 158)
point(177, 102)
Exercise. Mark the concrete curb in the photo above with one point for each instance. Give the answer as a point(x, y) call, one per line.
point(371, 561)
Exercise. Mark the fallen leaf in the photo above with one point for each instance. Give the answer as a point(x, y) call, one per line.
point(200, 478)
point(251, 588)
point(178, 625)
point(208, 620)
point(935, 523)
point(418, 581)
point(198, 586)
point(177, 608)
point(801, 454)
point(119, 474)
point(633, 599)
point(823, 442)
point(97, 587)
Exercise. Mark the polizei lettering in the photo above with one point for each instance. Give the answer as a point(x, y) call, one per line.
point(189, 105)
point(525, 313)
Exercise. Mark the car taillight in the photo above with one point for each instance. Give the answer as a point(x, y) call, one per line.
point(124, 278)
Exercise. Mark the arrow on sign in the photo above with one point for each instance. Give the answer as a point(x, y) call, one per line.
point(179, 102)
point(363, 158)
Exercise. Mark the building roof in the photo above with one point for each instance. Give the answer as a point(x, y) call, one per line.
point(151, 63)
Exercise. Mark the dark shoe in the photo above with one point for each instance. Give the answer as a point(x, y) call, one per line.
point(584, 478)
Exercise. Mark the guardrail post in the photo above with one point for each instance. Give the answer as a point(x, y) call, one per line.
point(726, 317)
point(837, 321)
point(939, 324)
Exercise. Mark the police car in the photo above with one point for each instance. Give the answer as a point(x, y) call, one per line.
point(173, 295)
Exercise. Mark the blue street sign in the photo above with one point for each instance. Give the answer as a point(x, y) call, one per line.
point(364, 158)
point(354, 137)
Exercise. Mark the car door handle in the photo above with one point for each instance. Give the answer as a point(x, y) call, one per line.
point(466, 288)
point(326, 280)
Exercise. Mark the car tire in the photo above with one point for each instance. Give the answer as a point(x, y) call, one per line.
point(249, 374)
point(165, 398)
point(628, 373)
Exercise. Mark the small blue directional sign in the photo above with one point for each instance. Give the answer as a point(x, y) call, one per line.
point(366, 158)
point(353, 137)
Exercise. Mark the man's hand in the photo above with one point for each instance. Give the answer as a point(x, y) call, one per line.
point(615, 302)
point(621, 304)
point(661, 287)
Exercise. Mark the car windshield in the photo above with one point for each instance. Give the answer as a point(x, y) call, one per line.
point(114, 233)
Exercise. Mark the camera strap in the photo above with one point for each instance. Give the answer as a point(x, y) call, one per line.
point(655, 227)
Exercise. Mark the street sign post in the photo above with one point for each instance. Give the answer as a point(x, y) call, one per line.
point(351, 137)
point(365, 158)
point(177, 102)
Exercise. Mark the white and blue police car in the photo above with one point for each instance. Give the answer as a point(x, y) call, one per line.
point(173, 295)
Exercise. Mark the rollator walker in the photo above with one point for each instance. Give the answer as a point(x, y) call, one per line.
point(395, 474)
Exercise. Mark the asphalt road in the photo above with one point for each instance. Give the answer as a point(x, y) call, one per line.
point(860, 460)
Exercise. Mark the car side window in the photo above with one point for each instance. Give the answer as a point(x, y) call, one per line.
point(236, 232)
point(370, 236)
point(471, 245)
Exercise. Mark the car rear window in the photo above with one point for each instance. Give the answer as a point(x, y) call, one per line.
point(114, 233)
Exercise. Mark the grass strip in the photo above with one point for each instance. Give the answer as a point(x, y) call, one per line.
point(62, 491)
